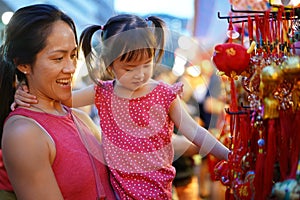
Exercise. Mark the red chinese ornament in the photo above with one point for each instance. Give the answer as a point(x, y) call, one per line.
point(231, 59)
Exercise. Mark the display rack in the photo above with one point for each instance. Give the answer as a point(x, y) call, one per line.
point(264, 128)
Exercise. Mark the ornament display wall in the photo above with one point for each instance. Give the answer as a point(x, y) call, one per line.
point(264, 132)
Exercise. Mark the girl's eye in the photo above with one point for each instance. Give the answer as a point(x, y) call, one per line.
point(58, 59)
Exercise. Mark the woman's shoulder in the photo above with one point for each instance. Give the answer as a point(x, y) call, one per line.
point(82, 115)
point(85, 118)
point(22, 132)
point(19, 123)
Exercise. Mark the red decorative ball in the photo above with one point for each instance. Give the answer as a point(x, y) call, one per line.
point(231, 58)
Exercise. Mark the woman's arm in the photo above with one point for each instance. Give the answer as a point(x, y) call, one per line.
point(195, 133)
point(28, 154)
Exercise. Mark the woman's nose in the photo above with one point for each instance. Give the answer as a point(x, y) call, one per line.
point(70, 67)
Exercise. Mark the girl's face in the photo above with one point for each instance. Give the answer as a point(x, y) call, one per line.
point(134, 74)
point(50, 77)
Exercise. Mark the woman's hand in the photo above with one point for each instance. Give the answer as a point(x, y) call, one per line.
point(23, 97)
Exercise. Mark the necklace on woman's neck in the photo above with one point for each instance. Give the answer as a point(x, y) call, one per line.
point(56, 112)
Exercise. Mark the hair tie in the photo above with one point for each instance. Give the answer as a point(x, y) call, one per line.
point(147, 19)
point(101, 27)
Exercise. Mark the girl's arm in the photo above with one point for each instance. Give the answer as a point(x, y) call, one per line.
point(23, 97)
point(81, 97)
point(183, 146)
point(195, 133)
point(28, 154)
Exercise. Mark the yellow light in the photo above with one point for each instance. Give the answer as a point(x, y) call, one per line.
point(193, 71)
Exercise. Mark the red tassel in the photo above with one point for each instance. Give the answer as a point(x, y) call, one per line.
point(270, 156)
point(286, 126)
point(259, 170)
point(258, 180)
point(233, 104)
point(229, 194)
point(294, 146)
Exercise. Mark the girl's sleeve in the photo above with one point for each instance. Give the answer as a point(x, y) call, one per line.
point(168, 93)
point(177, 88)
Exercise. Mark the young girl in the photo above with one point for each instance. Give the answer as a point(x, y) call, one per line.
point(137, 113)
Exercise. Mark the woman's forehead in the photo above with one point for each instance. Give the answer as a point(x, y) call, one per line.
point(61, 36)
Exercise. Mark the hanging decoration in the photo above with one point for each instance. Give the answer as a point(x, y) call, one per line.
point(265, 133)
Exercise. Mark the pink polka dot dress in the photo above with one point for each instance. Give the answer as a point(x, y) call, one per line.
point(136, 137)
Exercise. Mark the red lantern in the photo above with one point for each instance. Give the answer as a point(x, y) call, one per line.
point(231, 58)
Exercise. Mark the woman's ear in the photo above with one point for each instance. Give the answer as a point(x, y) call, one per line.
point(24, 68)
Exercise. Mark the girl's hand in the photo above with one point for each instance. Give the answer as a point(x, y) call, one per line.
point(23, 98)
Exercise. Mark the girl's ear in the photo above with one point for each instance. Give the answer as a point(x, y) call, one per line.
point(24, 68)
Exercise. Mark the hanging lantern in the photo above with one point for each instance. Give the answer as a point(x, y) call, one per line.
point(232, 59)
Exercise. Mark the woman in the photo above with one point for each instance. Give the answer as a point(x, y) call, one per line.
point(44, 147)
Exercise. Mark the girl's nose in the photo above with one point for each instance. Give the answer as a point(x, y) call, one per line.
point(139, 75)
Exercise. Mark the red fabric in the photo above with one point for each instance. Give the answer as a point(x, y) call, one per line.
point(72, 166)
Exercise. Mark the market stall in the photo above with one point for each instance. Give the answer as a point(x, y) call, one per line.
point(264, 128)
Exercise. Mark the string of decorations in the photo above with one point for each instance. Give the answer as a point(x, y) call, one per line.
point(265, 129)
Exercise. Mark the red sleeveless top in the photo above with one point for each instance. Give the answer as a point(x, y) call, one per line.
point(72, 166)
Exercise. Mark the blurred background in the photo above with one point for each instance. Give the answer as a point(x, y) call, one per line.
point(194, 23)
point(195, 30)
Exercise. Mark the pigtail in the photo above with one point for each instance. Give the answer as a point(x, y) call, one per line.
point(159, 32)
point(86, 46)
point(7, 87)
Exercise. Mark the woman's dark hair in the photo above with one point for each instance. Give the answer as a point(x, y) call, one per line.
point(25, 37)
point(124, 36)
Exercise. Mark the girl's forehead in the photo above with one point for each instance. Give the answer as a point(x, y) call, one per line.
point(134, 62)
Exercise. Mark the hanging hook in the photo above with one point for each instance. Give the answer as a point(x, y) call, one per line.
point(235, 17)
point(240, 112)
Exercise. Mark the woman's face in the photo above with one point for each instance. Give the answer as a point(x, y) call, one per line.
point(50, 76)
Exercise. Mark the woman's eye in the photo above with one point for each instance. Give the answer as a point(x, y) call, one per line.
point(73, 56)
